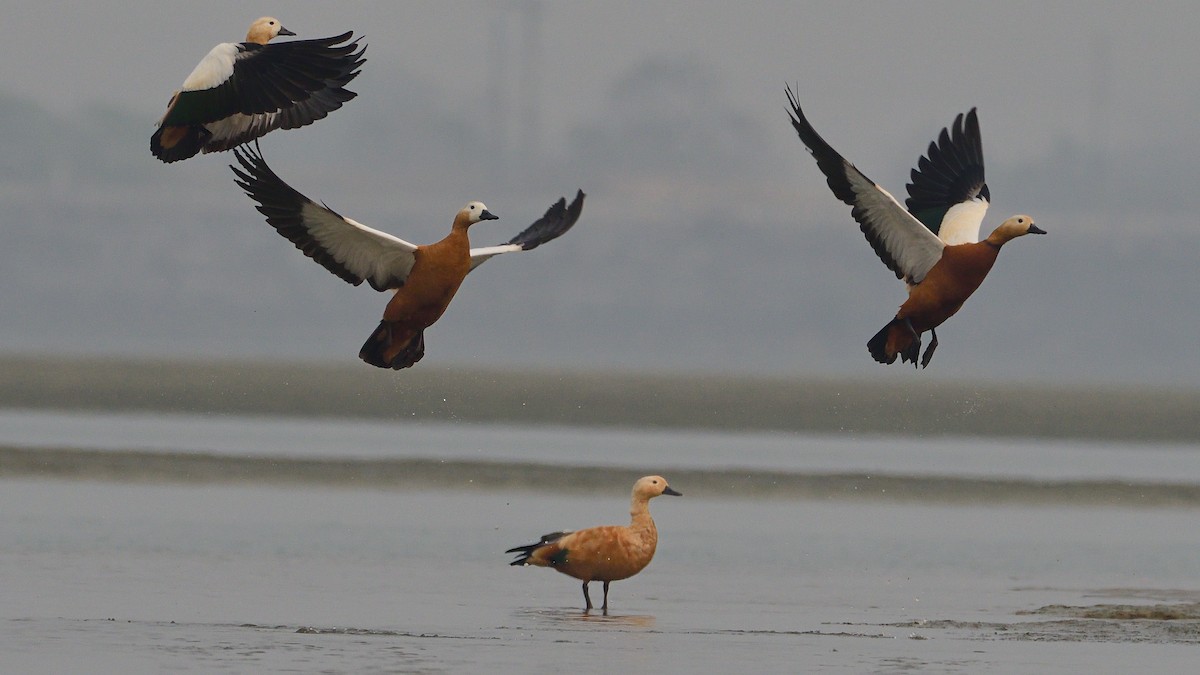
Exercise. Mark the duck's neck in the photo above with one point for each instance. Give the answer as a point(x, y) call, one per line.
point(639, 514)
point(458, 237)
point(459, 229)
point(999, 237)
point(258, 36)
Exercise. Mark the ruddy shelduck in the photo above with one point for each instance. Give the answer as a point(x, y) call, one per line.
point(240, 91)
point(933, 245)
point(424, 278)
point(608, 553)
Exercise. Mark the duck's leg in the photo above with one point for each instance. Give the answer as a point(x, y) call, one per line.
point(929, 350)
point(587, 599)
point(605, 607)
point(914, 347)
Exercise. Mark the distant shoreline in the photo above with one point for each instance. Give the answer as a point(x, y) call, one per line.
point(136, 466)
point(912, 408)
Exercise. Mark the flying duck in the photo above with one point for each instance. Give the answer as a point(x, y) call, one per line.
point(424, 278)
point(607, 553)
point(240, 91)
point(933, 245)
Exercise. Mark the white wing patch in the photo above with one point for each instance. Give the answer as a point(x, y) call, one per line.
point(961, 223)
point(366, 252)
point(237, 124)
point(479, 255)
point(214, 69)
point(888, 225)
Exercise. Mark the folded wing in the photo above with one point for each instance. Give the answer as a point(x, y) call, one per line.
point(901, 241)
point(526, 552)
point(351, 250)
point(558, 219)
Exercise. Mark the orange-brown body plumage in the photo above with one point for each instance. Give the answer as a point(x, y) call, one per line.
point(942, 293)
point(956, 275)
point(437, 274)
point(607, 553)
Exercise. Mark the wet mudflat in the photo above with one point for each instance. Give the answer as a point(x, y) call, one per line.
point(104, 576)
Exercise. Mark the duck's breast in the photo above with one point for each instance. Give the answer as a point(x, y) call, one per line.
point(949, 283)
point(437, 273)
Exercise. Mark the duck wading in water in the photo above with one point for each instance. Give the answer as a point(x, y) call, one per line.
point(608, 553)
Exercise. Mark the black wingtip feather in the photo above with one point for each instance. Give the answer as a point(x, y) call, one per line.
point(950, 172)
point(559, 218)
point(831, 163)
point(834, 166)
point(282, 206)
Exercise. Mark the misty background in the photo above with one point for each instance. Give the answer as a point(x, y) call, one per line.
point(709, 240)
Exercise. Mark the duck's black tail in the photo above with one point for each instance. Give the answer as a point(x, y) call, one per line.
point(895, 339)
point(392, 346)
point(526, 551)
point(171, 144)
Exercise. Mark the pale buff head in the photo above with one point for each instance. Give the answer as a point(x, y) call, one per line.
point(265, 28)
point(649, 487)
point(474, 212)
point(1017, 226)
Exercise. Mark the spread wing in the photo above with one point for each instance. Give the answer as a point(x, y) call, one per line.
point(237, 129)
point(901, 241)
point(948, 193)
point(558, 219)
point(250, 79)
point(349, 249)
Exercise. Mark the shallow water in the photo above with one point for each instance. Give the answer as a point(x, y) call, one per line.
point(107, 577)
point(205, 577)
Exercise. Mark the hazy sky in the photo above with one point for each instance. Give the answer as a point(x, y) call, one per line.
point(671, 115)
point(1040, 67)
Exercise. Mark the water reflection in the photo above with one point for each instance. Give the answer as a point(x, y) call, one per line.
point(565, 618)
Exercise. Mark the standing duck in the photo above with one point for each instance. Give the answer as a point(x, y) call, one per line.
point(933, 246)
point(241, 91)
point(424, 278)
point(607, 553)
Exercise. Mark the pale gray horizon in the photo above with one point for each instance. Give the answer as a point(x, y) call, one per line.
point(709, 241)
